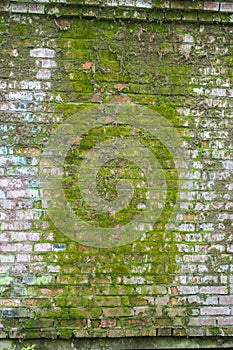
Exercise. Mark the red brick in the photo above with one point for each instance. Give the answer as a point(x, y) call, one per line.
point(214, 290)
point(121, 86)
point(116, 333)
point(46, 291)
point(87, 65)
point(226, 7)
point(202, 321)
point(95, 98)
point(211, 6)
point(177, 5)
point(122, 98)
point(108, 323)
point(164, 332)
point(227, 300)
point(210, 310)
point(225, 321)
point(179, 332)
point(132, 332)
point(175, 290)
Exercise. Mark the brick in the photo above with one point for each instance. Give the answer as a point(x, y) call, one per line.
point(215, 310)
point(36, 9)
point(19, 8)
point(87, 65)
point(214, 290)
point(196, 332)
point(179, 332)
point(10, 313)
point(116, 333)
point(202, 321)
point(226, 300)
point(226, 7)
point(107, 301)
point(108, 323)
point(43, 247)
point(42, 52)
point(225, 321)
point(175, 290)
point(132, 332)
point(10, 302)
point(149, 332)
point(118, 312)
point(46, 291)
point(43, 74)
point(48, 63)
point(164, 332)
point(162, 300)
point(23, 258)
point(177, 4)
point(212, 300)
point(188, 289)
point(211, 6)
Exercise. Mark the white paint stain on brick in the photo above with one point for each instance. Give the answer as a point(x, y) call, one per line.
point(131, 3)
point(44, 74)
point(42, 52)
point(48, 63)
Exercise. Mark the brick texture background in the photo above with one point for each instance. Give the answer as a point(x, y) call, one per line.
point(172, 56)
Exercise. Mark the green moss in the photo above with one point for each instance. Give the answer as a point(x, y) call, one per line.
point(22, 30)
point(229, 61)
point(106, 182)
point(65, 333)
point(109, 29)
point(3, 27)
point(81, 313)
point(108, 60)
point(137, 63)
point(119, 269)
point(82, 29)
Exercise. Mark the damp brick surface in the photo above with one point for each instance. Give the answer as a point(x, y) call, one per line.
point(60, 57)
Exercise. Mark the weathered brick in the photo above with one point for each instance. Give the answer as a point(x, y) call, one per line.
point(214, 290)
point(48, 63)
point(162, 300)
point(202, 321)
point(42, 52)
point(116, 333)
point(226, 7)
point(19, 8)
point(105, 323)
point(215, 310)
point(10, 302)
point(226, 300)
point(43, 247)
point(212, 6)
point(225, 321)
point(118, 312)
point(164, 332)
point(37, 9)
point(43, 74)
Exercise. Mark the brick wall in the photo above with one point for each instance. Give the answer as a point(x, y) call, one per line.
point(60, 57)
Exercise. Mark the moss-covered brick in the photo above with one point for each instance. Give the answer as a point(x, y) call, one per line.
point(84, 313)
